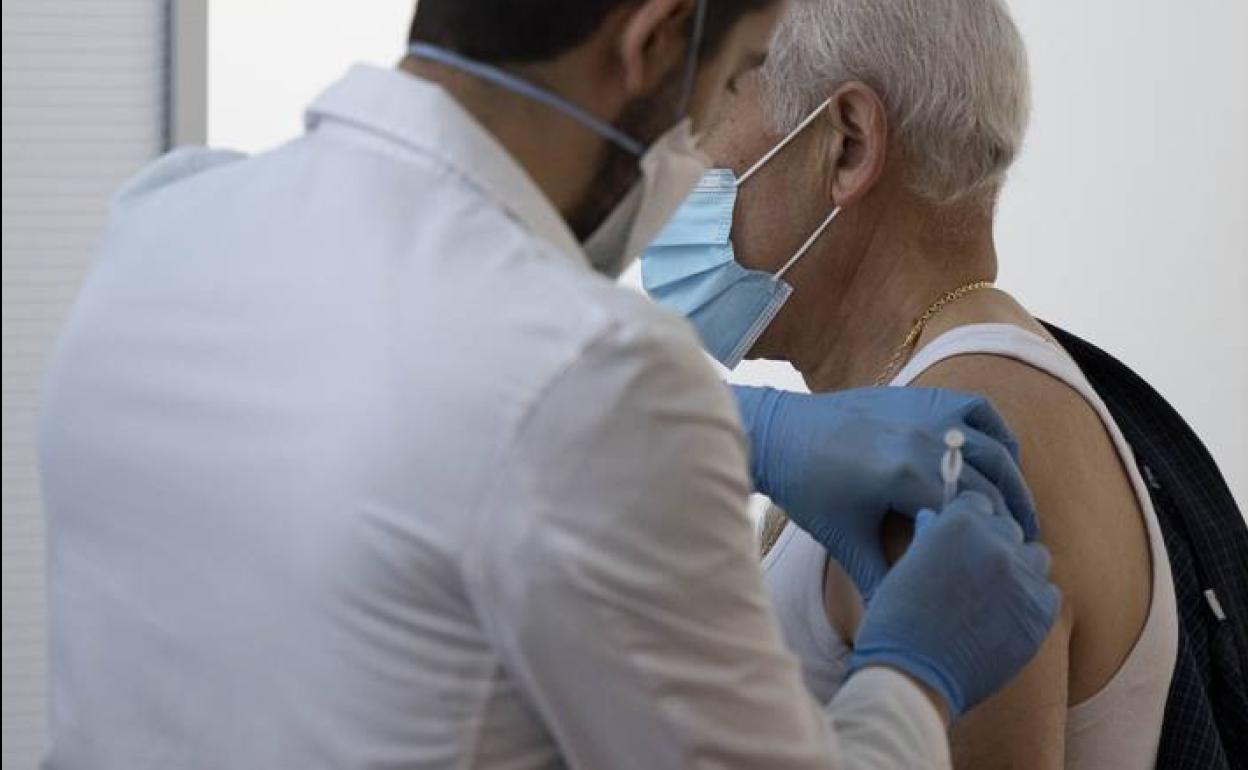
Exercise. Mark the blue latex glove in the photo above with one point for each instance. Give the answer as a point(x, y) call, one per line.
point(965, 609)
point(838, 462)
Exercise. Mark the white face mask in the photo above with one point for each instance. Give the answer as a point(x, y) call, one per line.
point(670, 170)
point(670, 167)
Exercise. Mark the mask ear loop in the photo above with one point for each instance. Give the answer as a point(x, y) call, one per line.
point(806, 246)
point(784, 142)
point(771, 154)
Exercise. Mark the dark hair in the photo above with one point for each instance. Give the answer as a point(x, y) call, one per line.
point(516, 31)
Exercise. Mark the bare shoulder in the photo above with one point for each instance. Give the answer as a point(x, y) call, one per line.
point(1067, 454)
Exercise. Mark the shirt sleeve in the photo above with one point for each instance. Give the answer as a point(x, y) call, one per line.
point(614, 569)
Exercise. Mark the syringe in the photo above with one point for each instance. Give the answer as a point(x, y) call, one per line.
point(951, 463)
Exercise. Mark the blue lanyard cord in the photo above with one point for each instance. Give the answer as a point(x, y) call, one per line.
point(518, 85)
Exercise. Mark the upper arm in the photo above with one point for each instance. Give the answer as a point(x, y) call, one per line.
point(1022, 727)
point(1090, 522)
point(617, 573)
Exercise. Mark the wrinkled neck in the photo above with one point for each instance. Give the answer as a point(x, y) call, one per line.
point(902, 269)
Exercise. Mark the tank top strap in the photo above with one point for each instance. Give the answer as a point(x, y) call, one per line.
point(998, 339)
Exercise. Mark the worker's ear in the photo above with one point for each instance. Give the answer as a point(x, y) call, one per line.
point(654, 39)
point(854, 145)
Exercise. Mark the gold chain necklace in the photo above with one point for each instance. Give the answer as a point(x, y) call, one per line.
point(912, 339)
point(776, 519)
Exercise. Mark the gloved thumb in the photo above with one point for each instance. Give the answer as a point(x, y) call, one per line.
point(923, 520)
point(867, 572)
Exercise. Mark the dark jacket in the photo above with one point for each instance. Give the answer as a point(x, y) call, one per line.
point(1206, 719)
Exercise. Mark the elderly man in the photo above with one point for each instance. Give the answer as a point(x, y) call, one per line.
point(856, 186)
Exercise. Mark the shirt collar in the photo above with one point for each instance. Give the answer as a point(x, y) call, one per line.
point(414, 112)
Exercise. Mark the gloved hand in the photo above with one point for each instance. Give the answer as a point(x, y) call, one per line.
point(965, 609)
point(838, 462)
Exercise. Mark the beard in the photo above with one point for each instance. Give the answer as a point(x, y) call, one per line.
point(645, 118)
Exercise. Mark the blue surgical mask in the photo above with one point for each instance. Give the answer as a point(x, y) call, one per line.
point(691, 268)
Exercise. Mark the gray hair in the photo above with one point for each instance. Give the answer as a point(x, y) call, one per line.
point(951, 73)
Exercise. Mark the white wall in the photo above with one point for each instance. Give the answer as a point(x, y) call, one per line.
point(268, 59)
point(84, 107)
point(1126, 219)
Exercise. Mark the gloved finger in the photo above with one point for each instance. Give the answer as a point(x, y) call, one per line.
point(1036, 557)
point(995, 461)
point(996, 464)
point(980, 415)
point(916, 484)
point(916, 481)
point(1048, 600)
point(976, 514)
point(923, 520)
point(1051, 599)
point(972, 500)
point(1007, 529)
point(974, 481)
point(867, 570)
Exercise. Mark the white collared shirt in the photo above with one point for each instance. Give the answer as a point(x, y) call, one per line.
point(351, 461)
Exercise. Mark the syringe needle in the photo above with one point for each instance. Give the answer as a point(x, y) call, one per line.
point(951, 464)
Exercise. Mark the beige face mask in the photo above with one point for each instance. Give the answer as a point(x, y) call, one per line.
point(670, 169)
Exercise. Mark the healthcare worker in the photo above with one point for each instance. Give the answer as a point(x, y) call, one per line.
point(352, 458)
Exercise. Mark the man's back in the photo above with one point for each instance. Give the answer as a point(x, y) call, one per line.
point(274, 416)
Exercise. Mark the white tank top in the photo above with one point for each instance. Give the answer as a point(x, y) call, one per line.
point(1119, 726)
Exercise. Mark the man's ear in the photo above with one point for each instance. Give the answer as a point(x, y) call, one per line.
point(856, 146)
point(654, 39)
